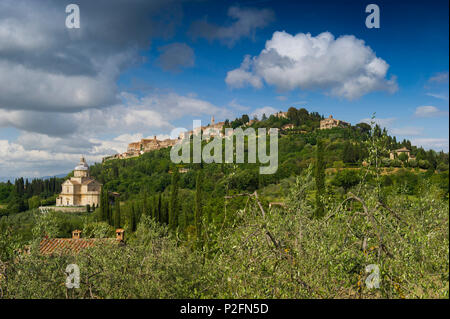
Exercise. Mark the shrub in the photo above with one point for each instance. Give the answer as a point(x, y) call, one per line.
point(412, 163)
point(338, 164)
point(424, 164)
point(386, 162)
point(442, 167)
point(346, 179)
point(396, 163)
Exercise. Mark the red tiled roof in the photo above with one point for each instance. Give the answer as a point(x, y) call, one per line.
point(49, 246)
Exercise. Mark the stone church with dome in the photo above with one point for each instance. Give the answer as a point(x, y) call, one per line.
point(81, 189)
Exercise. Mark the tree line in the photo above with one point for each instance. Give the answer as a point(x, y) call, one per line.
point(25, 194)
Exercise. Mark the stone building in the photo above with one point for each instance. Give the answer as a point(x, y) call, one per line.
point(330, 122)
point(145, 145)
point(81, 189)
point(287, 127)
point(281, 115)
point(149, 144)
point(395, 153)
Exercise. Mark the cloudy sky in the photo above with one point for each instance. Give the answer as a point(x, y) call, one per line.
point(141, 68)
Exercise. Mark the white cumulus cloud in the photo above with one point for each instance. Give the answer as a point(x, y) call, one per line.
point(344, 67)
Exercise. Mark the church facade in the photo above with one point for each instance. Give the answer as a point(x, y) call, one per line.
point(81, 189)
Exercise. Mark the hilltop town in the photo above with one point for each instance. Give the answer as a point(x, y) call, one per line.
point(145, 145)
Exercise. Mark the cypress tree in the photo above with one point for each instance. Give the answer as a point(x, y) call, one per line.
point(158, 209)
point(185, 217)
point(173, 204)
point(319, 174)
point(100, 212)
point(154, 207)
point(137, 213)
point(106, 199)
point(104, 206)
point(132, 217)
point(165, 211)
point(117, 215)
point(110, 216)
point(145, 208)
point(198, 208)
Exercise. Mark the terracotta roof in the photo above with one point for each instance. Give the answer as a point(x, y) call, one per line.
point(49, 246)
point(403, 149)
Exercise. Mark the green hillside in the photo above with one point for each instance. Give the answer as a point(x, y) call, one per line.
point(335, 205)
point(344, 149)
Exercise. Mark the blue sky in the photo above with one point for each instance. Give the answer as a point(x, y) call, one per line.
point(139, 70)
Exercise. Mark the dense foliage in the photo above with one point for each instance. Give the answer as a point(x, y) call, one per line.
point(211, 231)
point(276, 253)
point(24, 195)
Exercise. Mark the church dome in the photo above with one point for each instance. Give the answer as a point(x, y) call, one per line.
point(82, 166)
